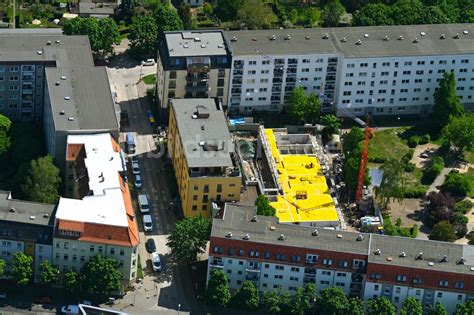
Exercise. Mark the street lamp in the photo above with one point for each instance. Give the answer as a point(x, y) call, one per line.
point(179, 308)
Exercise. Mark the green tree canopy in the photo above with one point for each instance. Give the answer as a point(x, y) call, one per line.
point(101, 276)
point(446, 103)
point(2, 267)
point(351, 140)
point(72, 282)
point(189, 238)
point(184, 12)
point(332, 301)
point(456, 184)
point(42, 182)
point(256, 14)
point(246, 297)
point(22, 268)
point(143, 37)
point(465, 308)
point(271, 302)
point(5, 125)
point(380, 306)
point(48, 273)
point(333, 11)
point(411, 306)
point(393, 181)
point(102, 33)
point(373, 14)
point(303, 299)
point(443, 231)
point(356, 306)
point(331, 125)
point(438, 309)
point(264, 207)
point(459, 133)
point(218, 292)
point(304, 108)
point(167, 19)
point(227, 10)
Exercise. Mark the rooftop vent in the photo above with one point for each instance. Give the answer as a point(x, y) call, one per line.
point(431, 264)
point(12, 209)
point(419, 256)
point(465, 32)
point(315, 232)
point(386, 38)
point(422, 33)
point(415, 40)
point(339, 235)
point(254, 39)
point(63, 77)
point(203, 46)
point(389, 258)
point(61, 112)
point(233, 39)
point(445, 258)
point(307, 37)
point(197, 39)
point(32, 217)
point(402, 255)
point(39, 52)
point(400, 37)
point(246, 237)
point(457, 36)
point(472, 268)
point(254, 218)
point(220, 46)
point(281, 237)
point(46, 215)
point(378, 252)
point(272, 228)
point(57, 83)
point(326, 36)
point(358, 42)
point(343, 39)
point(442, 36)
point(67, 98)
point(273, 37)
point(48, 42)
point(229, 235)
point(185, 46)
point(360, 237)
point(70, 118)
point(366, 35)
point(461, 261)
point(57, 41)
point(287, 37)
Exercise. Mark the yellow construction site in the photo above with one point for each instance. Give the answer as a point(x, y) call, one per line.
point(306, 195)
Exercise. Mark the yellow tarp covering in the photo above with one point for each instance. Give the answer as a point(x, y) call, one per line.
point(301, 175)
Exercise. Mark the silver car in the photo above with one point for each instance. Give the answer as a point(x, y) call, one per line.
point(138, 181)
point(135, 168)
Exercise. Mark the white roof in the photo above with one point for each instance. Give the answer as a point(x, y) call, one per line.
point(106, 204)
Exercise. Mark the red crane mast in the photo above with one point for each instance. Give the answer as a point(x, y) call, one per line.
point(363, 160)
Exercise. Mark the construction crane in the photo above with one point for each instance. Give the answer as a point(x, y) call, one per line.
point(363, 160)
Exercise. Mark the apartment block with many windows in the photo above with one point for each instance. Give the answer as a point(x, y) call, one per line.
point(97, 217)
point(203, 157)
point(282, 256)
point(387, 70)
point(192, 64)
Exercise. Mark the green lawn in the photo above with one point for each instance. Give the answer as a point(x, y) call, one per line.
point(149, 79)
point(385, 144)
point(469, 156)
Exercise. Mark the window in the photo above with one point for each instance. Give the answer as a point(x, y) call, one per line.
point(278, 277)
point(384, 73)
point(293, 278)
point(295, 269)
point(443, 283)
point(459, 285)
point(241, 252)
point(343, 264)
point(407, 63)
point(375, 276)
point(362, 74)
point(91, 248)
point(252, 62)
point(327, 262)
point(280, 256)
point(311, 259)
point(279, 267)
point(295, 258)
point(401, 278)
point(385, 64)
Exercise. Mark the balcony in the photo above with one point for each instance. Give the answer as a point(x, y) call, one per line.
point(310, 271)
point(310, 261)
point(253, 278)
point(216, 263)
point(253, 267)
point(309, 280)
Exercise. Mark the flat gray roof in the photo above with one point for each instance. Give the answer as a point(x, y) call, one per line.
point(206, 140)
point(90, 104)
point(195, 43)
point(310, 41)
point(237, 219)
point(25, 211)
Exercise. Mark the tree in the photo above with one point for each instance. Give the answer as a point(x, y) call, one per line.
point(102, 33)
point(433, 170)
point(100, 275)
point(303, 299)
point(5, 125)
point(333, 11)
point(218, 292)
point(438, 309)
point(411, 306)
point(351, 169)
point(380, 306)
point(184, 12)
point(42, 182)
point(465, 308)
point(331, 124)
point(372, 14)
point(2, 267)
point(393, 180)
point(207, 8)
point(143, 36)
point(72, 282)
point(256, 14)
point(22, 268)
point(446, 103)
point(352, 140)
point(246, 296)
point(167, 19)
point(456, 184)
point(304, 108)
point(332, 300)
point(189, 238)
point(264, 207)
point(459, 133)
point(443, 231)
point(271, 302)
point(42, 11)
point(48, 273)
point(439, 207)
point(226, 10)
point(356, 306)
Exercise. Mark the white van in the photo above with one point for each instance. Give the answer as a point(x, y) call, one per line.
point(143, 204)
point(147, 223)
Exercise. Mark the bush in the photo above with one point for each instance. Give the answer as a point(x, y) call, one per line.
point(413, 141)
point(414, 192)
point(456, 184)
point(432, 171)
point(377, 159)
point(463, 206)
point(409, 167)
point(414, 230)
point(408, 156)
point(424, 139)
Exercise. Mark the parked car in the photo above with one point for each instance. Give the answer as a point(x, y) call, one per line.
point(424, 155)
point(44, 300)
point(70, 309)
point(85, 302)
point(148, 62)
point(143, 204)
point(156, 261)
point(135, 168)
point(3, 296)
point(134, 159)
point(147, 223)
point(150, 245)
point(138, 181)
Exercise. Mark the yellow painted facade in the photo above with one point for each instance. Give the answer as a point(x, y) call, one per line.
point(196, 193)
point(306, 195)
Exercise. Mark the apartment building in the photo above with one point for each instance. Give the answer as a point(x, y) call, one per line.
point(97, 217)
point(50, 78)
point(281, 256)
point(386, 70)
point(25, 227)
point(192, 64)
point(203, 157)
